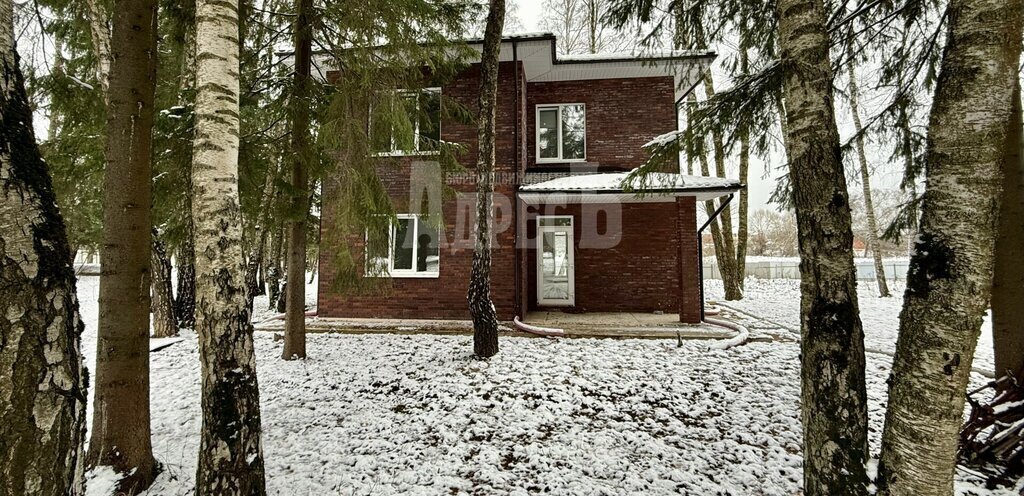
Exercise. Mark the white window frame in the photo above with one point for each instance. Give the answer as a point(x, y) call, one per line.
point(416, 128)
point(558, 132)
point(570, 273)
point(404, 273)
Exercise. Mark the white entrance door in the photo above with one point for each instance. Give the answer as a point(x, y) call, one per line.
point(555, 261)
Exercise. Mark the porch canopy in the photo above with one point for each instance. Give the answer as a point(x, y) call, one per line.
point(644, 237)
point(604, 187)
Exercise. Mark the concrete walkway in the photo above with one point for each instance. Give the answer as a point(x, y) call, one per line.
point(585, 325)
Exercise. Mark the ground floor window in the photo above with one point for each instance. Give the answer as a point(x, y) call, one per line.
point(410, 249)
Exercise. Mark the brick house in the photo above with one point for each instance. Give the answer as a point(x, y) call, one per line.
point(567, 236)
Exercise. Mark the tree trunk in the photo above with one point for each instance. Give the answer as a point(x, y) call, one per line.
point(281, 300)
point(950, 277)
point(833, 391)
point(709, 206)
point(1008, 281)
point(721, 254)
point(53, 128)
point(721, 228)
point(100, 35)
point(731, 279)
point(865, 176)
point(741, 233)
point(164, 323)
point(230, 450)
point(593, 18)
point(298, 108)
point(485, 319)
point(274, 269)
point(120, 425)
point(185, 300)
point(261, 275)
point(42, 380)
point(252, 274)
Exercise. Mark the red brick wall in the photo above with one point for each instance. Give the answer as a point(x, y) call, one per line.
point(622, 115)
point(689, 264)
point(642, 272)
point(443, 297)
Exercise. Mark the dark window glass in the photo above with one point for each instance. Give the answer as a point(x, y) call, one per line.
point(427, 252)
point(430, 120)
point(403, 245)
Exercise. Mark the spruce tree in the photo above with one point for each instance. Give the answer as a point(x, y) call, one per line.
point(120, 429)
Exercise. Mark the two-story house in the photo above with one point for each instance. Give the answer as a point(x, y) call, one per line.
point(567, 236)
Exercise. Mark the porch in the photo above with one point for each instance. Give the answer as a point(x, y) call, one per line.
point(590, 246)
point(620, 325)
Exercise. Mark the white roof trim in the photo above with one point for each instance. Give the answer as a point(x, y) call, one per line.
point(541, 63)
point(607, 188)
point(613, 181)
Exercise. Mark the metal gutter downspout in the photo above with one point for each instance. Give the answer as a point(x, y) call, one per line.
point(516, 298)
point(700, 248)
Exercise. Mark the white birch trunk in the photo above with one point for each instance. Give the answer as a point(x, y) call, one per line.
point(950, 276)
point(231, 451)
point(42, 379)
point(865, 180)
point(833, 390)
point(99, 32)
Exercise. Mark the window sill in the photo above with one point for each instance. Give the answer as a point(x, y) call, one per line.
point(407, 275)
point(560, 160)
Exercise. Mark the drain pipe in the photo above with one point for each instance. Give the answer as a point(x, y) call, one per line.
point(742, 334)
point(700, 248)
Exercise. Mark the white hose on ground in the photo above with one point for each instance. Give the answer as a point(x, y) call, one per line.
point(540, 331)
point(712, 310)
point(742, 334)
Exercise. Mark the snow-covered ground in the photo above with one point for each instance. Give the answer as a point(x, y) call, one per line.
point(778, 301)
point(386, 414)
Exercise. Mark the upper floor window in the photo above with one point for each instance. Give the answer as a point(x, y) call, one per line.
point(417, 130)
point(410, 249)
point(561, 132)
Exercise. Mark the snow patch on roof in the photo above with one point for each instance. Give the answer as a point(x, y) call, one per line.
point(633, 56)
point(613, 181)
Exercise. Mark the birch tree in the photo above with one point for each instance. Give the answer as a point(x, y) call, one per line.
point(833, 391)
point(120, 427)
point(485, 319)
point(865, 174)
point(164, 322)
point(726, 254)
point(230, 450)
point(950, 275)
point(581, 27)
point(100, 36)
point(42, 380)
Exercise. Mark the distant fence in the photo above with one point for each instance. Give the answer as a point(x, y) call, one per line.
point(789, 268)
